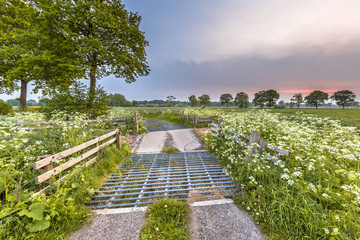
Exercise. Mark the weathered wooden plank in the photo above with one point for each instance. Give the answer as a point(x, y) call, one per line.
point(204, 121)
point(45, 176)
point(267, 145)
point(278, 150)
point(136, 122)
point(88, 163)
point(56, 157)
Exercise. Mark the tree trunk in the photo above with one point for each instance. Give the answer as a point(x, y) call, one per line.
point(92, 80)
point(23, 94)
point(343, 106)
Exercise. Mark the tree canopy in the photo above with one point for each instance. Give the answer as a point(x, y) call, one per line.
point(344, 98)
point(259, 98)
point(316, 98)
point(226, 98)
point(271, 97)
point(193, 100)
point(54, 43)
point(106, 38)
point(204, 99)
point(297, 99)
point(241, 100)
point(32, 50)
point(118, 100)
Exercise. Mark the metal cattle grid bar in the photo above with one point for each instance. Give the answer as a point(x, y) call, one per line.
point(184, 176)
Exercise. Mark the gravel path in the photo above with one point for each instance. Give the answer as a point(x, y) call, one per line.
point(112, 226)
point(153, 125)
point(222, 220)
point(185, 140)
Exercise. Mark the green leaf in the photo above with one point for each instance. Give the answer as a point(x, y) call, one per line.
point(38, 225)
point(7, 211)
point(36, 211)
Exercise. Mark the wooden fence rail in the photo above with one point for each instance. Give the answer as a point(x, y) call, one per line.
point(115, 121)
point(195, 120)
point(46, 164)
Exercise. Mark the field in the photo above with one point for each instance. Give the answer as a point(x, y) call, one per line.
point(313, 194)
point(348, 117)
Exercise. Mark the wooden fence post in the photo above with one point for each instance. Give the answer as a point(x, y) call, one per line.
point(262, 147)
point(119, 140)
point(136, 122)
point(188, 118)
point(254, 138)
point(220, 128)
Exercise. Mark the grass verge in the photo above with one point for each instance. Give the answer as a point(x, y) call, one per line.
point(167, 219)
point(170, 150)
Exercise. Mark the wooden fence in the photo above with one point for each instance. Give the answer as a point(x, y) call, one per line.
point(47, 163)
point(260, 145)
point(114, 122)
point(195, 120)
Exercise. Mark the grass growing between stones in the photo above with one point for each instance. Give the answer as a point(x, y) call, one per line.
point(170, 150)
point(167, 219)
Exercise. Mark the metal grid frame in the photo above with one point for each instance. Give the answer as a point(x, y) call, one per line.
point(184, 176)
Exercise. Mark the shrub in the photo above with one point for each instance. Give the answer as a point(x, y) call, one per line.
point(76, 100)
point(5, 108)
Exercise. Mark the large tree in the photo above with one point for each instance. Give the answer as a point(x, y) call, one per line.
point(226, 98)
point(32, 50)
point(193, 100)
point(316, 98)
point(241, 100)
point(271, 97)
point(260, 98)
point(297, 99)
point(344, 98)
point(204, 99)
point(106, 38)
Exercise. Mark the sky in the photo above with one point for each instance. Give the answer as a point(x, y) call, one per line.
point(228, 46)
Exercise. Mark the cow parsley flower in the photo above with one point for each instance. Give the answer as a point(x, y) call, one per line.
point(285, 176)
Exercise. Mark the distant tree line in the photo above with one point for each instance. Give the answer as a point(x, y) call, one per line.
point(269, 98)
point(263, 98)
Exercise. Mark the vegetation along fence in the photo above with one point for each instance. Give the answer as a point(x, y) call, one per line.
point(113, 122)
point(260, 145)
point(92, 150)
point(195, 120)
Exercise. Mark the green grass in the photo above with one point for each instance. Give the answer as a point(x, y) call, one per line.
point(348, 117)
point(170, 150)
point(167, 219)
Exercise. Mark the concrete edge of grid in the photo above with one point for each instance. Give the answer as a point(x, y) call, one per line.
point(143, 209)
point(143, 153)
